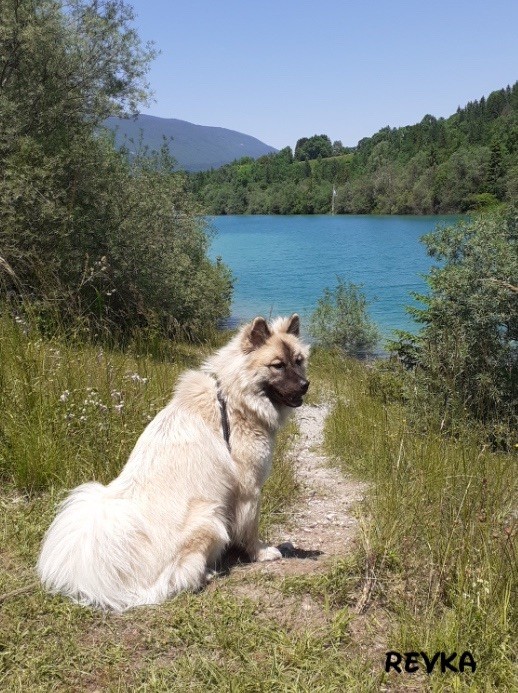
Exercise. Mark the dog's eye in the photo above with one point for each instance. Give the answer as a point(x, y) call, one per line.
point(299, 360)
point(277, 365)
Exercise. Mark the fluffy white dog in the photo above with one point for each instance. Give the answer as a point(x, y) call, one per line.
point(192, 484)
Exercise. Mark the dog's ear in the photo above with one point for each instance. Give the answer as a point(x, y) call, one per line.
point(257, 334)
point(294, 325)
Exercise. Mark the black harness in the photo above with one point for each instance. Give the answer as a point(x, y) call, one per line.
point(225, 426)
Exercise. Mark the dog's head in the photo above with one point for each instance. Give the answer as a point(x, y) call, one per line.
point(278, 358)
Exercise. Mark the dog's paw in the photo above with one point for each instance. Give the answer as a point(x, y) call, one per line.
point(268, 553)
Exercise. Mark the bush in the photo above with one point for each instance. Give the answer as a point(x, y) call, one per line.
point(340, 320)
point(90, 234)
point(467, 352)
point(119, 247)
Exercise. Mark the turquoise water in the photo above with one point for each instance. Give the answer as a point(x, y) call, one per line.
point(282, 263)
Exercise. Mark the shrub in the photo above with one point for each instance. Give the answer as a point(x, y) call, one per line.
point(90, 234)
point(340, 320)
point(467, 351)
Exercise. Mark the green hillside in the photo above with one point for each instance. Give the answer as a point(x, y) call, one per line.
point(194, 147)
point(440, 165)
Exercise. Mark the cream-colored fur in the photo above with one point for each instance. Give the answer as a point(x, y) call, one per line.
point(182, 496)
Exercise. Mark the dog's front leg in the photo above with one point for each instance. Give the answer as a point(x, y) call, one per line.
point(247, 531)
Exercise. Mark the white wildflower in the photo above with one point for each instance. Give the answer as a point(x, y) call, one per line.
point(136, 378)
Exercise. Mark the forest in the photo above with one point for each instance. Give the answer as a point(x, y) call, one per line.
point(438, 166)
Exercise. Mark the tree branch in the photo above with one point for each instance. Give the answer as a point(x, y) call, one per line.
point(499, 282)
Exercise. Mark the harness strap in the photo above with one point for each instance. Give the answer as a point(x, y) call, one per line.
point(224, 417)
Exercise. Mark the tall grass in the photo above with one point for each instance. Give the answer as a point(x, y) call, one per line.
point(72, 411)
point(436, 531)
point(438, 544)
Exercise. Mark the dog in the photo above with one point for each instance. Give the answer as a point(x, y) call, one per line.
point(191, 487)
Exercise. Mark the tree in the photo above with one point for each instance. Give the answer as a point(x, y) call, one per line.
point(340, 320)
point(299, 148)
point(318, 146)
point(85, 230)
point(496, 170)
point(338, 148)
point(64, 65)
point(436, 166)
point(468, 347)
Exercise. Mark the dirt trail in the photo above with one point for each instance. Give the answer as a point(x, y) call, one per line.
point(322, 520)
point(320, 526)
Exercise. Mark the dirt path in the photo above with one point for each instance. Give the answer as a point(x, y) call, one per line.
point(319, 528)
point(322, 519)
point(321, 525)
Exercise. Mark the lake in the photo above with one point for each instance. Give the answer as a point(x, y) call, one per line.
point(281, 264)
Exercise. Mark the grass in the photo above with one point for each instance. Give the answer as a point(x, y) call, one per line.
point(215, 640)
point(433, 568)
point(72, 412)
point(438, 530)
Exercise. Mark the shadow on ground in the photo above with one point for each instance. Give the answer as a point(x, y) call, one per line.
point(234, 557)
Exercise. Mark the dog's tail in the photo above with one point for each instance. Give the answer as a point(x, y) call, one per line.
point(87, 550)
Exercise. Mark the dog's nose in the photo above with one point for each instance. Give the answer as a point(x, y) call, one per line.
point(304, 384)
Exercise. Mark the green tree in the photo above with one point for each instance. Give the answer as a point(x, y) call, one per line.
point(87, 232)
point(68, 65)
point(438, 165)
point(338, 148)
point(496, 170)
point(318, 146)
point(341, 320)
point(468, 347)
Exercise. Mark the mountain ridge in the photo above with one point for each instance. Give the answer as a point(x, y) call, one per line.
point(194, 147)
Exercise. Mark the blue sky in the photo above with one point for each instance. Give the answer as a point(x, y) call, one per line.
point(284, 69)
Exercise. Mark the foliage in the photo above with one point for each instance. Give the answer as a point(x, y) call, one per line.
point(67, 65)
point(338, 148)
point(316, 147)
point(464, 162)
point(467, 351)
point(340, 320)
point(437, 530)
point(88, 233)
point(120, 248)
point(273, 184)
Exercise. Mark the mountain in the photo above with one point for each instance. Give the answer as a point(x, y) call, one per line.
point(195, 147)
